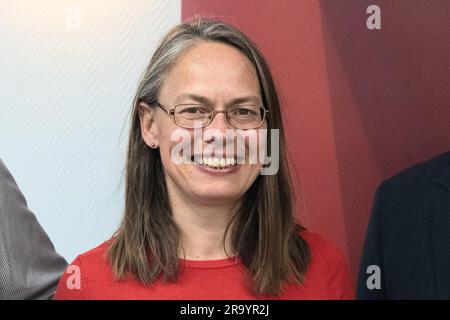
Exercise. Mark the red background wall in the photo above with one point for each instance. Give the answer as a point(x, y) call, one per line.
point(360, 105)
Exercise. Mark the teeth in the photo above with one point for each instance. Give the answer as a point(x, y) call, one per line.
point(217, 163)
point(230, 162)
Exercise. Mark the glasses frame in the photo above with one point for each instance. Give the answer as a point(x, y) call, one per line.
point(171, 112)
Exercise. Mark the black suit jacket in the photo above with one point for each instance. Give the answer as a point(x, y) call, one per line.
point(408, 235)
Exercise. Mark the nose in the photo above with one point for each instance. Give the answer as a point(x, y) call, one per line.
point(219, 124)
point(220, 121)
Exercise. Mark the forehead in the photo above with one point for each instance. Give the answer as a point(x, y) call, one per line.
point(214, 70)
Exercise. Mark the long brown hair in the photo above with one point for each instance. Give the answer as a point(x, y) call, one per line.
point(265, 233)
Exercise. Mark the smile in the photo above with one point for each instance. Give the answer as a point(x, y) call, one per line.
point(216, 163)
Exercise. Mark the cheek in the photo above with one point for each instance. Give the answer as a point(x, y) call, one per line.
point(165, 156)
point(166, 149)
point(166, 145)
point(254, 172)
point(173, 142)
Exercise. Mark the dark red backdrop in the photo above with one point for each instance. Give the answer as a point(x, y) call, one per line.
point(359, 105)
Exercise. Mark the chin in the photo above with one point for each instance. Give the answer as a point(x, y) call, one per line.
point(211, 194)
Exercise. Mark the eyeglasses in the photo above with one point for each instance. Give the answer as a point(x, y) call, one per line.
point(190, 115)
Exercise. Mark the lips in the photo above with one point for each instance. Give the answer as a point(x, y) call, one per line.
point(215, 163)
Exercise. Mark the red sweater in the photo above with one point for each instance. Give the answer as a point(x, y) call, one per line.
point(327, 277)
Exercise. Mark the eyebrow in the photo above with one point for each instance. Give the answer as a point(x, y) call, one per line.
point(205, 100)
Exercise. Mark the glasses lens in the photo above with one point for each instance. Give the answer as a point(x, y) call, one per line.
point(246, 117)
point(240, 117)
point(189, 115)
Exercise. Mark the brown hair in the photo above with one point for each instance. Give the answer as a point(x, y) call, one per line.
point(265, 233)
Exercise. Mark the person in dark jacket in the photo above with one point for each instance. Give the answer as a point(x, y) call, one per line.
point(407, 248)
point(29, 265)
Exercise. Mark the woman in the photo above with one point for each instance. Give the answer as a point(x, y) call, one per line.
point(210, 226)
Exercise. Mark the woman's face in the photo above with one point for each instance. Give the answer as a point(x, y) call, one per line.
point(216, 73)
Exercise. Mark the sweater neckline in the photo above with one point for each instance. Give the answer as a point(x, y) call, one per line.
point(211, 264)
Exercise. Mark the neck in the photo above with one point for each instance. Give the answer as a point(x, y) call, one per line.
point(202, 227)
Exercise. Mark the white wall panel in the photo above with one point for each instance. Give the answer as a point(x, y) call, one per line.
point(68, 73)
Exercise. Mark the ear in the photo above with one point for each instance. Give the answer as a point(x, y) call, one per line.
point(149, 129)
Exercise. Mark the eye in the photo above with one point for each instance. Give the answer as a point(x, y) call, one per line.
point(245, 111)
point(192, 109)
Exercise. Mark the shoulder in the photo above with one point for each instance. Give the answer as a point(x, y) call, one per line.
point(9, 191)
point(96, 254)
point(94, 262)
point(329, 266)
point(322, 248)
point(421, 175)
point(90, 267)
point(4, 173)
point(411, 195)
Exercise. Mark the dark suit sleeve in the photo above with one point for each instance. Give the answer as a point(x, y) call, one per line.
point(372, 254)
point(29, 265)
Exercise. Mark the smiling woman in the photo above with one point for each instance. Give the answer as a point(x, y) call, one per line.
point(210, 227)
